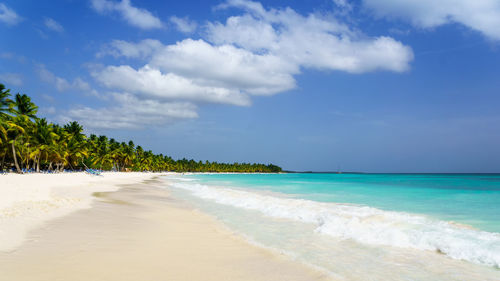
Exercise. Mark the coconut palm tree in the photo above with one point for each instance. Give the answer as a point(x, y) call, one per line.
point(102, 155)
point(15, 129)
point(5, 108)
point(26, 141)
point(5, 102)
point(44, 141)
point(24, 106)
point(76, 144)
point(24, 110)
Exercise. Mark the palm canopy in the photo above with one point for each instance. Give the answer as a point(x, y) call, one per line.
point(38, 144)
point(75, 130)
point(24, 106)
point(5, 102)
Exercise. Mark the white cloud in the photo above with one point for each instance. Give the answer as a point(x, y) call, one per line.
point(256, 53)
point(138, 17)
point(227, 66)
point(152, 83)
point(480, 15)
point(130, 112)
point(62, 84)
point(198, 71)
point(53, 25)
point(311, 41)
point(8, 15)
point(184, 25)
point(11, 79)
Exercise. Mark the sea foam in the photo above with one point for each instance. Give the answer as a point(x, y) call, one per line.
point(364, 224)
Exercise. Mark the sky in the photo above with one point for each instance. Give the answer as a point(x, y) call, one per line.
point(317, 85)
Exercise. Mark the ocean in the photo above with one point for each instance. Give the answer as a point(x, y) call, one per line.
point(362, 226)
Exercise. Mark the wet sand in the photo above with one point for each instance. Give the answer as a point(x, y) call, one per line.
point(140, 233)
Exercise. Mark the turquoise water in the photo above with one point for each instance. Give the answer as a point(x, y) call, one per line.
point(471, 199)
point(361, 226)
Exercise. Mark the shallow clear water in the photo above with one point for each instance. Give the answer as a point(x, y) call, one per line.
point(465, 198)
point(381, 226)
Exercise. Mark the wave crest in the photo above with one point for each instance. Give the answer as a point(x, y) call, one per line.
point(365, 224)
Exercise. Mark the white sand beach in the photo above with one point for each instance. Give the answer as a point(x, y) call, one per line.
point(29, 200)
point(122, 232)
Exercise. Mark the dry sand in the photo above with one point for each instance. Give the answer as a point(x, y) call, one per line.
point(27, 201)
point(140, 233)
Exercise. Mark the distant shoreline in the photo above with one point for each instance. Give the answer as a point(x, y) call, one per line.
point(373, 173)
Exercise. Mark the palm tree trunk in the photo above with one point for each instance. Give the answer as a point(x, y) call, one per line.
point(3, 160)
point(27, 158)
point(38, 163)
point(15, 156)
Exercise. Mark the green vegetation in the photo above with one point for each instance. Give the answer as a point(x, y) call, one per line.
point(30, 143)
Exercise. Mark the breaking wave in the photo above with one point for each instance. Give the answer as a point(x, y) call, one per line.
point(365, 224)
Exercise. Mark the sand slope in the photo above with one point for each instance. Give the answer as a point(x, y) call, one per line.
point(27, 201)
point(139, 233)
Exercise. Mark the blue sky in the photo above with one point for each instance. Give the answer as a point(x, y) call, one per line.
point(371, 85)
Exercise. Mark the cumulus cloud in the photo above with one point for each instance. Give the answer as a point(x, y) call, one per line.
point(256, 53)
point(153, 83)
point(227, 66)
point(184, 25)
point(310, 41)
point(53, 25)
point(11, 79)
point(8, 16)
point(482, 16)
point(62, 84)
point(134, 16)
point(129, 112)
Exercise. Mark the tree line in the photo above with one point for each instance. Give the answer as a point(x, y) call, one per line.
point(31, 143)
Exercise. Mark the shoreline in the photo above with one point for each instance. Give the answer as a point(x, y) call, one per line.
point(344, 239)
point(138, 232)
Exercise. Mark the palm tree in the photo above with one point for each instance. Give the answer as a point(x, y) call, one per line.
point(35, 142)
point(44, 142)
point(5, 102)
point(24, 109)
point(60, 148)
point(77, 146)
point(3, 132)
point(5, 107)
point(129, 154)
point(102, 155)
point(14, 131)
point(24, 106)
